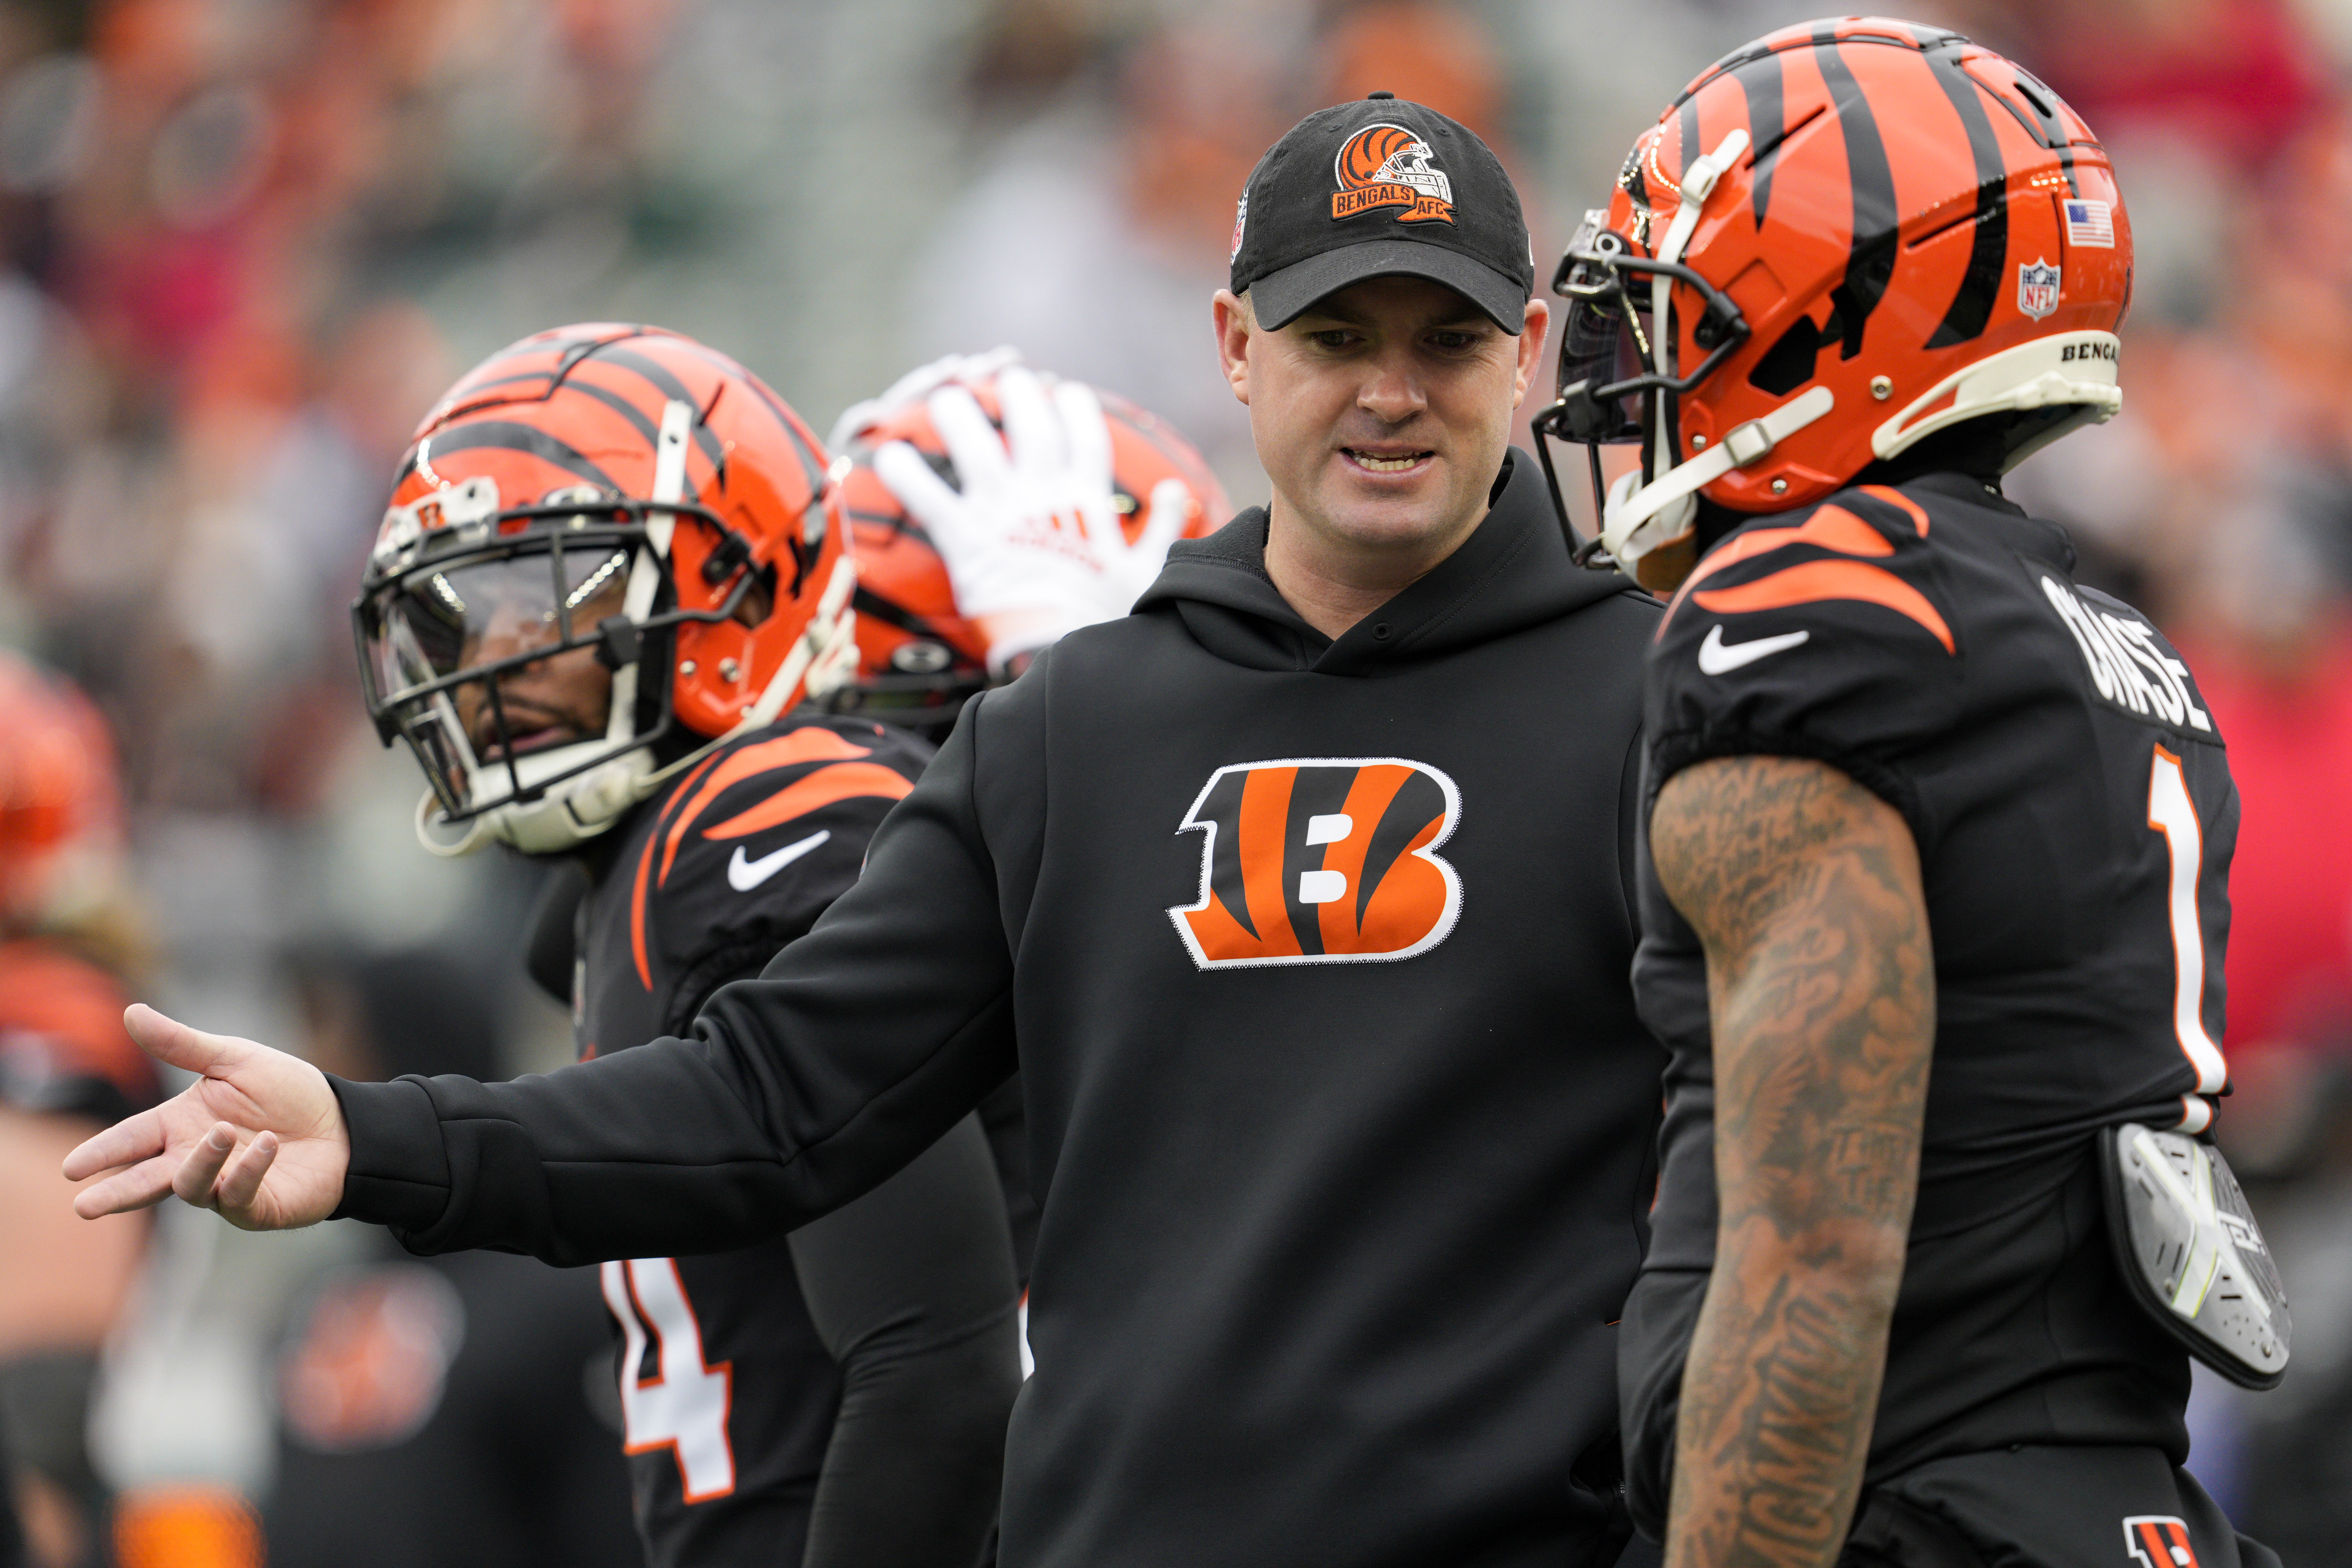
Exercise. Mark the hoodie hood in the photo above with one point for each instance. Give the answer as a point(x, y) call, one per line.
point(1512, 573)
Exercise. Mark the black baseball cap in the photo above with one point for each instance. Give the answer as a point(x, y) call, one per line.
point(1376, 189)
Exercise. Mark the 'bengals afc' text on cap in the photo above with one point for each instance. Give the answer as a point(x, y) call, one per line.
point(1378, 189)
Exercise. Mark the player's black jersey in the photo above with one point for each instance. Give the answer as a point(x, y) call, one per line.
point(2074, 817)
point(727, 1392)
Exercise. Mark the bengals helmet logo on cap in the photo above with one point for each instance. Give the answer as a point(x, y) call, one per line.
point(1321, 860)
point(2158, 1541)
point(1389, 166)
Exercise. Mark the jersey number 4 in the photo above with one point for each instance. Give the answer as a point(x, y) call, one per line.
point(2172, 814)
point(685, 1408)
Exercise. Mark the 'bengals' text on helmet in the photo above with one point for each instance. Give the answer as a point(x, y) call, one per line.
point(601, 495)
point(1844, 239)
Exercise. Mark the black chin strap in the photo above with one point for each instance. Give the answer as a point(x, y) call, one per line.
point(1585, 553)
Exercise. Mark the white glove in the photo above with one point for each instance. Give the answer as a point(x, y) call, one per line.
point(1033, 544)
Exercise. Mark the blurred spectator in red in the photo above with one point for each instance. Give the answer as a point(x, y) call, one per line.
point(2284, 706)
point(2240, 78)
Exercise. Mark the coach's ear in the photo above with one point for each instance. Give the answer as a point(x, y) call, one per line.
point(1532, 329)
point(1235, 322)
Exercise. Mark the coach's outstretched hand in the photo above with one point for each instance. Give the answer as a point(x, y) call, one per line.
point(258, 1136)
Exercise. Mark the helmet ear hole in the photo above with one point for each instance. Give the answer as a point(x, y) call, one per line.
point(759, 596)
point(1787, 364)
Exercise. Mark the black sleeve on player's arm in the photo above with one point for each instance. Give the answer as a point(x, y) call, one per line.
point(912, 1287)
point(860, 1045)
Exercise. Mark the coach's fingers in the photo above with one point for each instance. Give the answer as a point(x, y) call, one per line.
point(241, 1183)
point(193, 1183)
point(142, 1187)
point(139, 1137)
point(169, 1040)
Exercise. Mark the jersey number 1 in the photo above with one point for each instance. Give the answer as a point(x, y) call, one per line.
point(2171, 812)
point(685, 1408)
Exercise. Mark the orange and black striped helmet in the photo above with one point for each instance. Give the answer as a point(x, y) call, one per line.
point(609, 492)
point(918, 659)
point(1844, 238)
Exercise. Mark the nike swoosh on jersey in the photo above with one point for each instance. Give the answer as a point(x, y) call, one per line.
point(743, 874)
point(1717, 657)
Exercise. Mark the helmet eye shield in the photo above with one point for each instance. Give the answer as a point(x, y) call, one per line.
point(441, 618)
point(1602, 349)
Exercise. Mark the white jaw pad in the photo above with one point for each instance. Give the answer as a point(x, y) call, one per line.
point(567, 816)
point(1639, 520)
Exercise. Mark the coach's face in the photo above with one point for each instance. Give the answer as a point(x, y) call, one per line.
point(1381, 413)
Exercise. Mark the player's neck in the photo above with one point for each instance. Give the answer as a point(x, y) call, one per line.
point(1333, 582)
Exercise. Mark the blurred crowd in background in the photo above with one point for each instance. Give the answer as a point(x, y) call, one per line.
point(244, 244)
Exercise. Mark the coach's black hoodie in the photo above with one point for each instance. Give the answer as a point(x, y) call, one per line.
point(1313, 956)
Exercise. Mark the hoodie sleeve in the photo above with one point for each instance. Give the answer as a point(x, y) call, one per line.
point(859, 1047)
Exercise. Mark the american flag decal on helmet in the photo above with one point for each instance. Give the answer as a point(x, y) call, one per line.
point(2090, 223)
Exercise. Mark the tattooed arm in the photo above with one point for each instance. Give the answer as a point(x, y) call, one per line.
point(1805, 889)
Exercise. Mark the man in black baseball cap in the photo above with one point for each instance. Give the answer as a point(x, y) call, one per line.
point(1377, 189)
point(1382, 327)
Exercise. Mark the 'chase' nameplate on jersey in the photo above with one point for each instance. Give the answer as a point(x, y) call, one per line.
point(2195, 1258)
point(2130, 666)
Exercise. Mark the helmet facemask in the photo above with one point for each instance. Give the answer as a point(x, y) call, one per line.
point(1618, 364)
point(453, 619)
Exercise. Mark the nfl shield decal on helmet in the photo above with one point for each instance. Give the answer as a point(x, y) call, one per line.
point(2158, 1541)
point(2037, 288)
point(1321, 860)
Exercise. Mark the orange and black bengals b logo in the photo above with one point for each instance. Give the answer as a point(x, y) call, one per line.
point(1321, 860)
point(2158, 1541)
